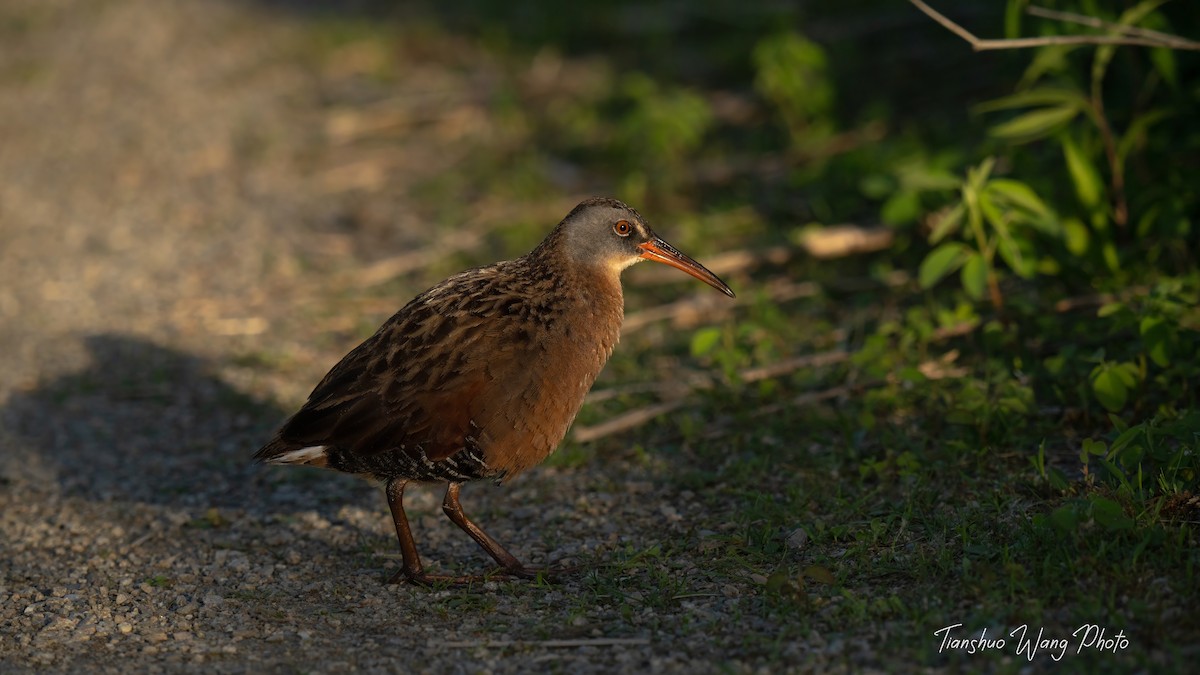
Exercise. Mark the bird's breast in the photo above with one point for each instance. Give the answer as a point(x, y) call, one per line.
point(566, 351)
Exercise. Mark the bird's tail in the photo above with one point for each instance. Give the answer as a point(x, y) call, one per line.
point(279, 451)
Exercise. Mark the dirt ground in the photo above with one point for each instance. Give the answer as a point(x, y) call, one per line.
point(177, 209)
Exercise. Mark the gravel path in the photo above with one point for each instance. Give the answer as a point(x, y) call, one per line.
point(173, 201)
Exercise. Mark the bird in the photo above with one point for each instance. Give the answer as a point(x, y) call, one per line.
point(480, 376)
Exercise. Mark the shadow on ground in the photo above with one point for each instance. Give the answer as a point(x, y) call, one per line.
point(146, 423)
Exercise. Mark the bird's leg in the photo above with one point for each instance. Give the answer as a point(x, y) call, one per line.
point(507, 561)
point(412, 569)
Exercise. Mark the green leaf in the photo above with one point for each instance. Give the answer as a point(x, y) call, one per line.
point(1021, 197)
point(1104, 53)
point(947, 223)
point(705, 340)
point(1128, 372)
point(778, 582)
point(1127, 436)
point(1109, 514)
point(1135, 135)
point(1148, 221)
point(1034, 125)
point(1012, 404)
point(1058, 480)
point(1114, 470)
point(1048, 59)
point(1093, 447)
point(974, 275)
point(920, 177)
point(1019, 194)
point(978, 175)
point(901, 208)
point(1042, 96)
point(1088, 186)
point(1164, 62)
point(1065, 518)
point(876, 186)
point(819, 574)
point(1010, 250)
point(992, 213)
point(1110, 309)
point(1156, 335)
point(1111, 257)
point(1012, 19)
point(941, 261)
point(1110, 391)
point(792, 73)
point(1077, 236)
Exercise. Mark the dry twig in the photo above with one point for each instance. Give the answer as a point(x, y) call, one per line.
point(1174, 41)
point(638, 416)
point(1139, 38)
point(839, 241)
point(628, 420)
point(706, 305)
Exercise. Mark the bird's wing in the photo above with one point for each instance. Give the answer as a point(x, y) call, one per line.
point(418, 384)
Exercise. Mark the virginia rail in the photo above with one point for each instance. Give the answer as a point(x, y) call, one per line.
point(481, 375)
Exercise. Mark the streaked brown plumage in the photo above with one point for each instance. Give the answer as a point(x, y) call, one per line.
point(481, 375)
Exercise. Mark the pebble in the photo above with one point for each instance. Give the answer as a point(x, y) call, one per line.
point(797, 539)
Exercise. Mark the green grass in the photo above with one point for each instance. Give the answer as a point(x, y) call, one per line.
point(949, 538)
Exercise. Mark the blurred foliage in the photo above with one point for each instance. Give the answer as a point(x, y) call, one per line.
point(1020, 365)
point(1108, 122)
point(792, 75)
point(1042, 201)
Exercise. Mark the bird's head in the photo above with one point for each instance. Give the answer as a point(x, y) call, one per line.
point(607, 233)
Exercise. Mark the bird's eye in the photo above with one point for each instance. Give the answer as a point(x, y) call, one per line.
point(622, 228)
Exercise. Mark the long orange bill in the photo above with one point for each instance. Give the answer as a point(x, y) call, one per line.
point(660, 251)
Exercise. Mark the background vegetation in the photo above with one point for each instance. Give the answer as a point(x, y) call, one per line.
point(1000, 425)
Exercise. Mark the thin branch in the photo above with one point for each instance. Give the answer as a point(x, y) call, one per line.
point(626, 421)
point(685, 382)
point(636, 417)
point(838, 241)
point(708, 304)
point(979, 45)
point(791, 365)
point(675, 387)
point(387, 269)
point(1123, 29)
point(946, 23)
